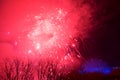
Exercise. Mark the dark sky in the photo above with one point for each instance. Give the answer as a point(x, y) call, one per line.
point(104, 42)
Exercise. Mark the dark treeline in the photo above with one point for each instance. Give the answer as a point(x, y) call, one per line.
point(16, 69)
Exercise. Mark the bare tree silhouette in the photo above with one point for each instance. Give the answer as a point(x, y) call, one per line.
point(27, 71)
point(7, 70)
point(16, 70)
point(46, 70)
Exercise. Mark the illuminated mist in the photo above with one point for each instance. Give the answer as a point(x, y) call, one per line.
point(45, 30)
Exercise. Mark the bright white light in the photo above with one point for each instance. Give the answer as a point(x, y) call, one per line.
point(37, 46)
point(29, 51)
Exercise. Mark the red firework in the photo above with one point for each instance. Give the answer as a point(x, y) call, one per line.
point(46, 29)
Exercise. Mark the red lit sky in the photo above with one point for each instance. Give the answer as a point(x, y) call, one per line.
point(17, 18)
point(41, 29)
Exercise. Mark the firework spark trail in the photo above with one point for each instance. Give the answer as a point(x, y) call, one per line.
point(52, 32)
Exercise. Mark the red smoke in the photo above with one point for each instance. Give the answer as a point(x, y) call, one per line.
point(43, 29)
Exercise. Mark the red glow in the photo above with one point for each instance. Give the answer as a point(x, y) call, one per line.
point(44, 29)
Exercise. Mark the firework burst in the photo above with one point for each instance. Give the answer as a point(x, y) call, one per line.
point(50, 31)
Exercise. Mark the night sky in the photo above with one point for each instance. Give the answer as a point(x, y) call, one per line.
point(104, 38)
point(104, 42)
